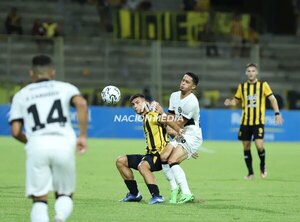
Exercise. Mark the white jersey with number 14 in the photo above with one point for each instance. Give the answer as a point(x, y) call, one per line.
point(44, 108)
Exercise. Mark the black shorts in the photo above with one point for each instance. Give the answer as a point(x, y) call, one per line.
point(246, 132)
point(153, 160)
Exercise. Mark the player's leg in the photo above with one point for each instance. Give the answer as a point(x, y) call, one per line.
point(262, 156)
point(124, 165)
point(167, 170)
point(64, 178)
point(178, 155)
point(38, 179)
point(39, 210)
point(245, 135)
point(146, 167)
point(259, 143)
point(248, 159)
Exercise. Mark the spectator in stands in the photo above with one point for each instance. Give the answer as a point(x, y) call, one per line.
point(105, 10)
point(51, 28)
point(13, 22)
point(138, 5)
point(38, 31)
point(131, 4)
point(208, 37)
point(251, 37)
point(202, 5)
point(237, 35)
point(189, 5)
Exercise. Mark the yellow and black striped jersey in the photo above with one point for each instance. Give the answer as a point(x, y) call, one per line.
point(253, 98)
point(155, 133)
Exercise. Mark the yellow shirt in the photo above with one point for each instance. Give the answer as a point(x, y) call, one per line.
point(253, 98)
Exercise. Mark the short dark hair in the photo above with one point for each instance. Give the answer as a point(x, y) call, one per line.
point(194, 77)
point(41, 60)
point(251, 65)
point(138, 95)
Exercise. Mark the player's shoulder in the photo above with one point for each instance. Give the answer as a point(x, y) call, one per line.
point(175, 95)
point(64, 85)
point(24, 91)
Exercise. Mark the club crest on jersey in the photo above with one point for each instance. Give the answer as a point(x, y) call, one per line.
point(179, 109)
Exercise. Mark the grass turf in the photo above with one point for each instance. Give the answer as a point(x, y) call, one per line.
point(216, 179)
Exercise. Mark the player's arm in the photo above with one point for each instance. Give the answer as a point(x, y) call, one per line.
point(274, 104)
point(236, 99)
point(17, 132)
point(82, 116)
point(175, 125)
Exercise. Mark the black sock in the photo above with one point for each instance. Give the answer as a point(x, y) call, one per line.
point(132, 186)
point(248, 160)
point(153, 189)
point(262, 156)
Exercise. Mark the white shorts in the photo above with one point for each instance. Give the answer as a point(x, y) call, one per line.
point(50, 165)
point(191, 141)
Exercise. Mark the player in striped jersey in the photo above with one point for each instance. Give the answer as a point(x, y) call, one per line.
point(156, 140)
point(252, 95)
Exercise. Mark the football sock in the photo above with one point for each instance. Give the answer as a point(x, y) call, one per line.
point(248, 161)
point(169, 175)
point(63, 207)
point(153, 189)
point(262, 156)
point(180, 178)
point(39, 212)
point(132, 186)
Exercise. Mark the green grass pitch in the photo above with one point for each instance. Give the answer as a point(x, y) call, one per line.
point(216, 179)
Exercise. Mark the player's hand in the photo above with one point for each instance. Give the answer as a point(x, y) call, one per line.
point(278, 119)
point(181, 132)
point(227, 102)
point(157, 107)
point(195, 155)
point(81, 144)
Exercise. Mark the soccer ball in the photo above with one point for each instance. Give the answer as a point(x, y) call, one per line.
point(111, 95)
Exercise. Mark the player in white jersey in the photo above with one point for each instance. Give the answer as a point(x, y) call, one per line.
point(183, 116)
point(43, 109)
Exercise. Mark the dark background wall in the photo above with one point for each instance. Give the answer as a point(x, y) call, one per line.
point(272, 16)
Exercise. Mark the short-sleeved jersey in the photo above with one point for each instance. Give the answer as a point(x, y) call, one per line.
point(44, 108)
point(187, 107)
point(253, 99)
point(155, 133)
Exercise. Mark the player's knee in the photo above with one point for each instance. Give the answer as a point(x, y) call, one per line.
point(121, 161)
point(143, 167)
point(43, 198)
point(164, 157)
point(172, 161)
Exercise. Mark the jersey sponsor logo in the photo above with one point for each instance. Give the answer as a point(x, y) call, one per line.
point(252, 100)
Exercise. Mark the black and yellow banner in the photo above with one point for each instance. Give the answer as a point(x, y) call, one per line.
point(169, 25)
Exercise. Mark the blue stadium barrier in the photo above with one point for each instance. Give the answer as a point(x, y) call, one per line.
point(217, 124)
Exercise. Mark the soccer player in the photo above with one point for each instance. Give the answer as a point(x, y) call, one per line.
point(252, 94)
point(156, 139)
point(43, 109)
point(184, 112)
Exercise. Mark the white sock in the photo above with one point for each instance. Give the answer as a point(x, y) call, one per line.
point(181, 179)
point(63, 207)
point(39, 212)
point(169, 175)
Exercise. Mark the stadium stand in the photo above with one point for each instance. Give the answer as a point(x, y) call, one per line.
point(92, 59)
